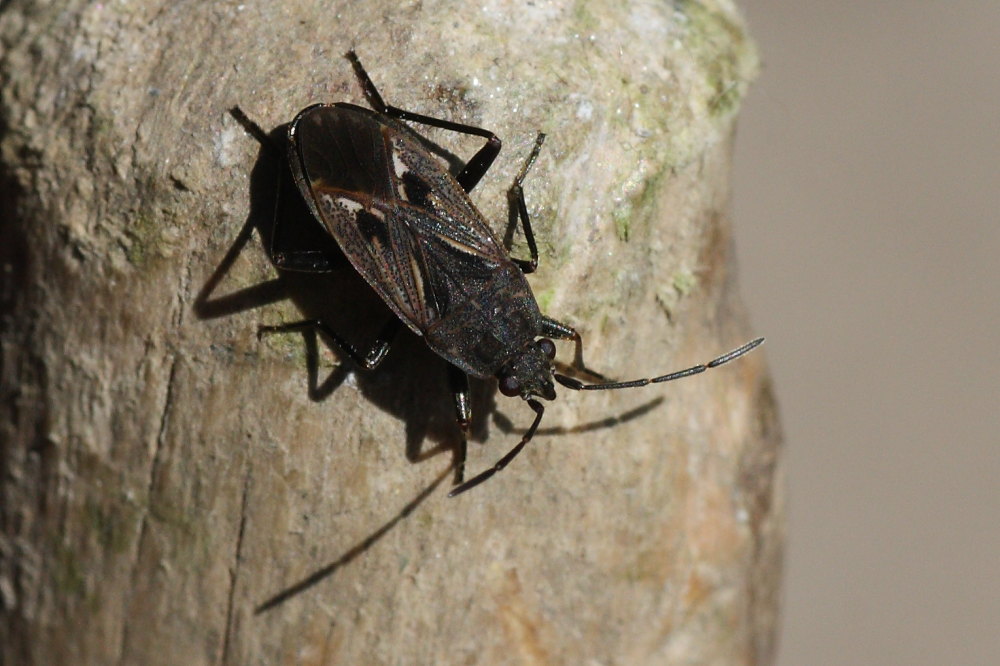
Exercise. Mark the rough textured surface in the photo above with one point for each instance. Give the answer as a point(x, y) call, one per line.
point(174, 491)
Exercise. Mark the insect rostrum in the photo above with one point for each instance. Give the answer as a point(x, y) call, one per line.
point(409, 228)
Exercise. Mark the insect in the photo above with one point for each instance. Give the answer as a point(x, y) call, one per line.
point(408, 227)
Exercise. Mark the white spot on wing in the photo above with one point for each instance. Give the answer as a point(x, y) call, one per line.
point(398, 166)
point(418, 278)
point(351, 205)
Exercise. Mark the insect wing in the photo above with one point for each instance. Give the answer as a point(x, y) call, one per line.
point(458, 252)
point(404, 223)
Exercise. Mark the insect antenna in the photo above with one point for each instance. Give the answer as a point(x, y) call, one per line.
point(500, 464)
point(577, 385)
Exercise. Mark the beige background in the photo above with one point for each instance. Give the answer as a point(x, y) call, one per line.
point(867, 201)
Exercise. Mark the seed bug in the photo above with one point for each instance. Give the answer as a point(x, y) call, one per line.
point(407, 225)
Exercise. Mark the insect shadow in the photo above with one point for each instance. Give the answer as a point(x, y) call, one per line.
point(412, 381)
point(351, 553)
point(507, 426)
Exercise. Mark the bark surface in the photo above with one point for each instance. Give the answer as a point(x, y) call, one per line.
point(173, 491)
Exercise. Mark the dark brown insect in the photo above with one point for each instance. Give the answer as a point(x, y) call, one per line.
point(409, 228)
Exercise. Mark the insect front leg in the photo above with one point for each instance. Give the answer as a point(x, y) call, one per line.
point(516, 197)
point(475, 168)
point(556, 329)
point(459, 382)
point(368, 360)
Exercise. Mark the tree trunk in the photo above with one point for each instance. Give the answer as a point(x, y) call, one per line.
point(175, 491)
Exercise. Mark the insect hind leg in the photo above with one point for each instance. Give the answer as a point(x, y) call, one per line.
point(368, 360)
point(475, 168)
point(284, 253)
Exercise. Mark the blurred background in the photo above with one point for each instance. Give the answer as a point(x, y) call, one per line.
point(867, 197)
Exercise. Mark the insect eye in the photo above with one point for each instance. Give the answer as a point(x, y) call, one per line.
point(510, 386)
point(548, 347)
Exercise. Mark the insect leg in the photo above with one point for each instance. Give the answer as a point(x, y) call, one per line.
point(503, 462)
point(368, 360)
point(516, 196)
point(306, 261)
point(475, 168)
point(556, 329)
point(298, 241)
point(282, 256)
point(459, 382)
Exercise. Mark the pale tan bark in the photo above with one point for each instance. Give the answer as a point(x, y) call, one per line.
point(170, 492)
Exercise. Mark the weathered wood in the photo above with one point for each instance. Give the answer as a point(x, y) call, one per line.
point(170, 491)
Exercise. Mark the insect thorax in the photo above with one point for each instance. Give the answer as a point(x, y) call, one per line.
point(481, 334)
